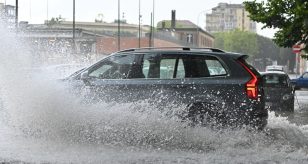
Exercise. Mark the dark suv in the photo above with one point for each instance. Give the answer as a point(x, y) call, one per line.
point(215, 86)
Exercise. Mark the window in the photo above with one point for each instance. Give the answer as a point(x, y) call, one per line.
point(275, 80)
point(163, 67)
point(215, 67)
point(167, 67)
point(181, 66)
point(305, 75)
point(114, 67)
point(189, 38)
point(205, 66)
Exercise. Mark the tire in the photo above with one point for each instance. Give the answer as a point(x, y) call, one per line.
point(203, 114)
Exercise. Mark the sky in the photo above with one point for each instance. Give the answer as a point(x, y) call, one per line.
point(36, 11)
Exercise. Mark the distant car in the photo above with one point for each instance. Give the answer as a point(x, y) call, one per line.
point(275, 68)
point(215, 87)
point(301, 82)
point(278, 91)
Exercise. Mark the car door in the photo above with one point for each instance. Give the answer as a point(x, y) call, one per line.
point(303, 80)
point(108, 80)
point(185, 78)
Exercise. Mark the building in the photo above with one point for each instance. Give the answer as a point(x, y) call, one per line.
point(108, 45)
point(184, 32)
point(109, 29)
point(7, 14)
point(226, 17)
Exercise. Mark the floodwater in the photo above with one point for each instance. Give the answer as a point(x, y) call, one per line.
point(42, 122)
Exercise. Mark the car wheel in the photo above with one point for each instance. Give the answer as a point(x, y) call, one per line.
point(204, 114)
point(288, 106)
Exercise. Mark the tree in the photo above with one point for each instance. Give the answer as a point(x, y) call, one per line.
point(56, 20)
point(237, 41)
point(289, 16)
point(99, 18)
point(262, 50)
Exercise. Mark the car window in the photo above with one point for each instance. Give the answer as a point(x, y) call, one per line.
point(181, 66)
point(163, 66)
point(276, 80)
point(114, 67)
point(305, 75)
point(215, 67)
point(167, 67)
point(204, 66)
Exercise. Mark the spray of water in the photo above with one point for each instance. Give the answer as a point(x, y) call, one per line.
point(40, 110)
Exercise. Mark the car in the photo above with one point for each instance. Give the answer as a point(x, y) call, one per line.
point(279, 92)
point(230, 96)
point(301, 82)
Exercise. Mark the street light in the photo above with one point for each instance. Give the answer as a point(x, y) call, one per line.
point(74, 48)
point(16, 14)
point(119, 43)
point(139, 32)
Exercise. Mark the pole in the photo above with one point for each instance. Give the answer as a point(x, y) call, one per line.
point(139, 35)
point(74, 45)
point(119, 43)
point(16, 15)
point(151, 28)
point(297, 63)
point(47, 13)
point(153, 24)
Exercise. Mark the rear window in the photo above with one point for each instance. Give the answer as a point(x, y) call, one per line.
point(274, 80)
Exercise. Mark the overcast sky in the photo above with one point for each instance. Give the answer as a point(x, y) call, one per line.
point(35, 11)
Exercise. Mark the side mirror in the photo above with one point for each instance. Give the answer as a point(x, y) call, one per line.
point(84, 75)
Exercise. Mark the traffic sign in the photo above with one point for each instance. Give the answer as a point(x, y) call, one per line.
point(296, 49)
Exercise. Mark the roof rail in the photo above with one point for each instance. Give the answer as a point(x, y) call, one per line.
point(181, 48)
point(209, 48)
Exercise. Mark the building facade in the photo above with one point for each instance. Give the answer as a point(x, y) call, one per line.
point(110, 29)
point(227, 17)
point(7, 14)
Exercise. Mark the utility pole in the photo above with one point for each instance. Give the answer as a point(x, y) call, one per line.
point(119, 40)
point(16, 14)
point(74, 45)
point(153, 24)
point(139, 34)
point(47, 8)
point(151, 32)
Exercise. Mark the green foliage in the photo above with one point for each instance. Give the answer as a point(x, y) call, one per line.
point(289, 16)
point(259, 48)
point(56, 20)
point(237, 41)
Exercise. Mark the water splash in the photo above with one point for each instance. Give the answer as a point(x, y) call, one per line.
point(41, 121)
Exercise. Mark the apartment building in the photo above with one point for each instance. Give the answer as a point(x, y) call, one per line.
point(7, 13)
point(226, 17)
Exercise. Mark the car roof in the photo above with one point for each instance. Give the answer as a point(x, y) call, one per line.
point(273, 72)
point(182, 50)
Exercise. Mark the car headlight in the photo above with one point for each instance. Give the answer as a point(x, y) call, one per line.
point(286, 97)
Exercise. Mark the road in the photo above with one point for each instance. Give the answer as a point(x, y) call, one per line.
point(52, 128)
point(300, 116)
point(40, 122)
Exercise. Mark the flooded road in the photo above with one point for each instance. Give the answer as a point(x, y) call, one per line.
point(300, 116)
point(42, 122)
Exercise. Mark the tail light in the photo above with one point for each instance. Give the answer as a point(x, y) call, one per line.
point(252, 84)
